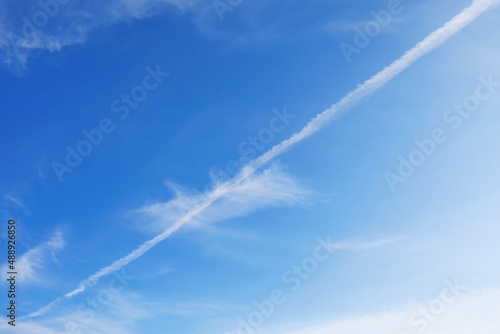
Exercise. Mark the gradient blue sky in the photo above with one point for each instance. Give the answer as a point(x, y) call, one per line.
point(227, 79)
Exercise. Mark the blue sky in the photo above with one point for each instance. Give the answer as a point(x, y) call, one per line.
point(206, 85)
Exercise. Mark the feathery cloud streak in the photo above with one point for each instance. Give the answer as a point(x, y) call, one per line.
point(272, 187)
point(29, 264)
point(25, 33)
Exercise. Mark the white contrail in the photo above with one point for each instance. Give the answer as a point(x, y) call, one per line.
point(435, 39)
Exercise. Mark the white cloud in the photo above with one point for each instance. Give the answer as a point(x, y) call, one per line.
point(67, 25)
point(240, 195)
point(361, 246)
point(29, 264)
point(198, 309)
point(73, 21)
point(364, 90)
point(120, 316)
point(473, 313)
point(16, 202)
point(272, 187)
point(346, 26)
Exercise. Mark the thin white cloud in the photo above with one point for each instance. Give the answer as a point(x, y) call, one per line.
point(162, 271)
point(29, 265)
point(16, 202)
point(272, 187)
point(346, 26)
point(120, 316)
point(361, 246)
point(472, 313)
point(68, 25)
point(435, 39)
point(432, 41)
point(197, 309)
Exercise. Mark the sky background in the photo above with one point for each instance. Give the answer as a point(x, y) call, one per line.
point(395, 248)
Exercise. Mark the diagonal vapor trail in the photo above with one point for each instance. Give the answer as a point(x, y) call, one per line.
point(432, 41)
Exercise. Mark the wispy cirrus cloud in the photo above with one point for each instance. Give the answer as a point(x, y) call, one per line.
point(198, 308)
point(17, 203)
point(366, 245)
point(272, 187)
point(474, 312)
point(33, 261)
point(121, 316)
point(30, 28)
